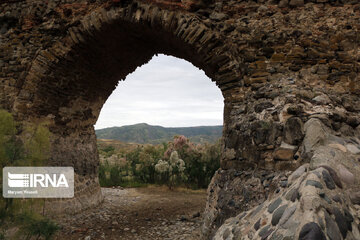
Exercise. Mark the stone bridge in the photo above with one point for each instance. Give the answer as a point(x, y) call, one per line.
point(288, 71)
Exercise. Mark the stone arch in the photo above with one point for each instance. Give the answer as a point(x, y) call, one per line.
point(68, 82)
point(281, 65)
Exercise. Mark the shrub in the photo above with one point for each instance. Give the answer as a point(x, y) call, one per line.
point(115, 178)
point(178, 162)
point(102, 176)
point(172, 171)
point(23, 145)
point(36, 226)
point(108, 151)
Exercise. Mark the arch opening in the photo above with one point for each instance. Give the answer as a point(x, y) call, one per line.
point(168, 92)
point(165, 107)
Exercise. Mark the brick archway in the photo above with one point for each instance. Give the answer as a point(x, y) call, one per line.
point(68, 83)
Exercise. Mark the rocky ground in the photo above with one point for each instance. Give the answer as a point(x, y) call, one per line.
point(142, 213)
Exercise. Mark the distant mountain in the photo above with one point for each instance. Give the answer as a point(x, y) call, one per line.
point(144, 133)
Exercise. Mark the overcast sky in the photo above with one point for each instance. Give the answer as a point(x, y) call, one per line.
point(167, 91)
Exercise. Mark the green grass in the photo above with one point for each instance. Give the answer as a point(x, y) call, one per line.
point(33, 225)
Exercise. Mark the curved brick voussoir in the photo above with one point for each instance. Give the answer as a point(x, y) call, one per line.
point(137, 32)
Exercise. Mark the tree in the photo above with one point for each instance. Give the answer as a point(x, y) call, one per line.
point(172, 170)
point(36, 145)
point(211, 159)
point(10, 148)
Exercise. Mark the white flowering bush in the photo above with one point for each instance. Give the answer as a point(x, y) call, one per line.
point(172, 171)
point(162, 166)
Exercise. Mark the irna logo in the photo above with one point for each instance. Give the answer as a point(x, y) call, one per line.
point(37, 180)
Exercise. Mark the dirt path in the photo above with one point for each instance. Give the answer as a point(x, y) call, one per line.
point(142, 213)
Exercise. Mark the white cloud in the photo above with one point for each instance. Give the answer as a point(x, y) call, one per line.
point(167, 91)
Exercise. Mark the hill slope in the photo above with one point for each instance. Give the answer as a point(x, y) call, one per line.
point(145, 133)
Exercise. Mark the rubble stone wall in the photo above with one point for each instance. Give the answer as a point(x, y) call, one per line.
point(285, 68)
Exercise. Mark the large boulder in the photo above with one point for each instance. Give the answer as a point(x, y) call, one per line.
point(315, 134)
